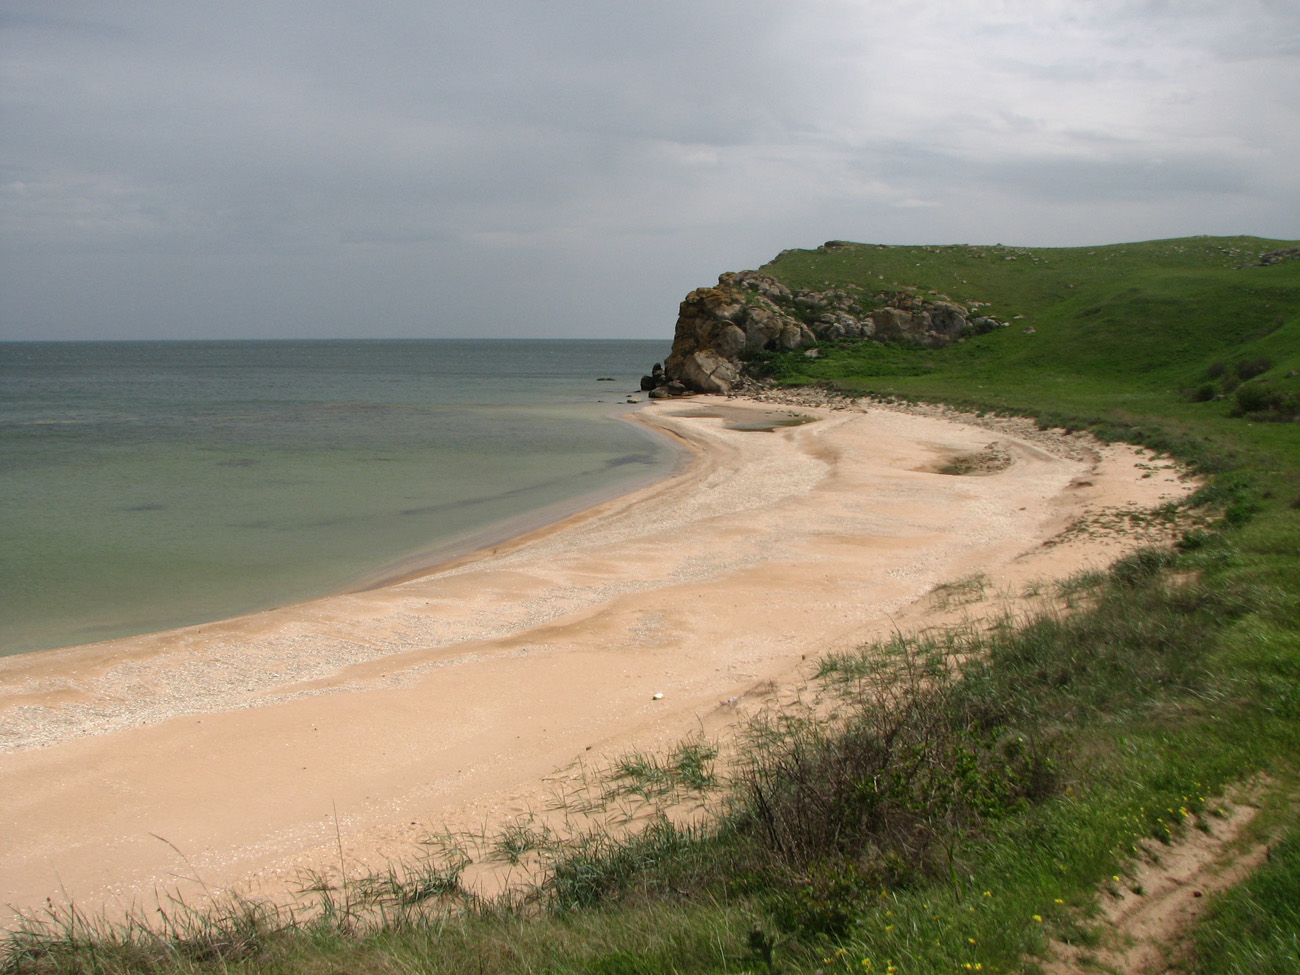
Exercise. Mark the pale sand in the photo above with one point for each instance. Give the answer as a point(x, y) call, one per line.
point(238, 752)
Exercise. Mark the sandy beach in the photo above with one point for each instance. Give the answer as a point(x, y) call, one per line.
point(233, 755)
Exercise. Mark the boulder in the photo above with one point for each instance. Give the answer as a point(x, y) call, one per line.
point(705, 371)
point(792, 337)
point(946, 319)
point(729, 341)
point(669, 390)
point(762, 328)
point(894, 325)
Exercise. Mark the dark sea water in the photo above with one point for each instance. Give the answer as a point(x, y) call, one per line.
point(147, 485)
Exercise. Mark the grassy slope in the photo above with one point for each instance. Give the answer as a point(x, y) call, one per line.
point(1155, 699)
point(1112, 338)
point(1114, 333)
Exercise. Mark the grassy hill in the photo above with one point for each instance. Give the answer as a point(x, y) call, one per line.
point(1152, 315)
point(983, 791)
point(1127, 333)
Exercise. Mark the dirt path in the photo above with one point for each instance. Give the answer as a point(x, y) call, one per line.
point(1146, 917)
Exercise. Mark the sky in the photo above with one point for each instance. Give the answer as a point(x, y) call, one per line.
point(572, 168)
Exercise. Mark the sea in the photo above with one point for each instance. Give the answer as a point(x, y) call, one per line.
point(152, 485)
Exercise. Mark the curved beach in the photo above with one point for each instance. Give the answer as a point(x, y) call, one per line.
point(233, 755)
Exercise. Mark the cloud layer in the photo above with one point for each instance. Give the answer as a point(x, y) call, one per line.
point(510, 168)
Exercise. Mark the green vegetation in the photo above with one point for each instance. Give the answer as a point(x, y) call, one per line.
point(1150, 340)
point(948, 803)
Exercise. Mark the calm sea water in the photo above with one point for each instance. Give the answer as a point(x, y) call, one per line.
point(149, 485)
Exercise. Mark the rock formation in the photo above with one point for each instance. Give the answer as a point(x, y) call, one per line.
point(1277, 257)
point(720, 329)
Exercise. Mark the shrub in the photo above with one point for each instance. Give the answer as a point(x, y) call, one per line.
point(1250, 368)
point(1256, 398)
point(922, 754)
point(829, 898)
point(1141, 567)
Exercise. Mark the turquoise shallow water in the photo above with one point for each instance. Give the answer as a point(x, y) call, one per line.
point(150, 485)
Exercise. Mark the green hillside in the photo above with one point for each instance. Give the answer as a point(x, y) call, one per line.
point(1153, 315)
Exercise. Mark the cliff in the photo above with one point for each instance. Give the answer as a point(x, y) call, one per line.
point(721, 328)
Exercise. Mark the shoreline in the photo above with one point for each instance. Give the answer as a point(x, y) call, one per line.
point(431, 556)
point(457, 692)
point(530, 525)
point(80, 661)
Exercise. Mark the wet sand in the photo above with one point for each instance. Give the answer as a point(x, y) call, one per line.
point(233, 755)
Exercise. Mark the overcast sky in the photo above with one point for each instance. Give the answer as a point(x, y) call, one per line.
point(520, 168)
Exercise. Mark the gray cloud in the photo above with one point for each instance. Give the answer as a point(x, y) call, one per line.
point(571, 169)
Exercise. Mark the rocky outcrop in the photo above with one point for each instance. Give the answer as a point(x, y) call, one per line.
point(719, 327)
point(1277, 257)
point(654, 380)
point(722, 328)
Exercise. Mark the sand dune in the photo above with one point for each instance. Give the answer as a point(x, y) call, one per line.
point(237, 752)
